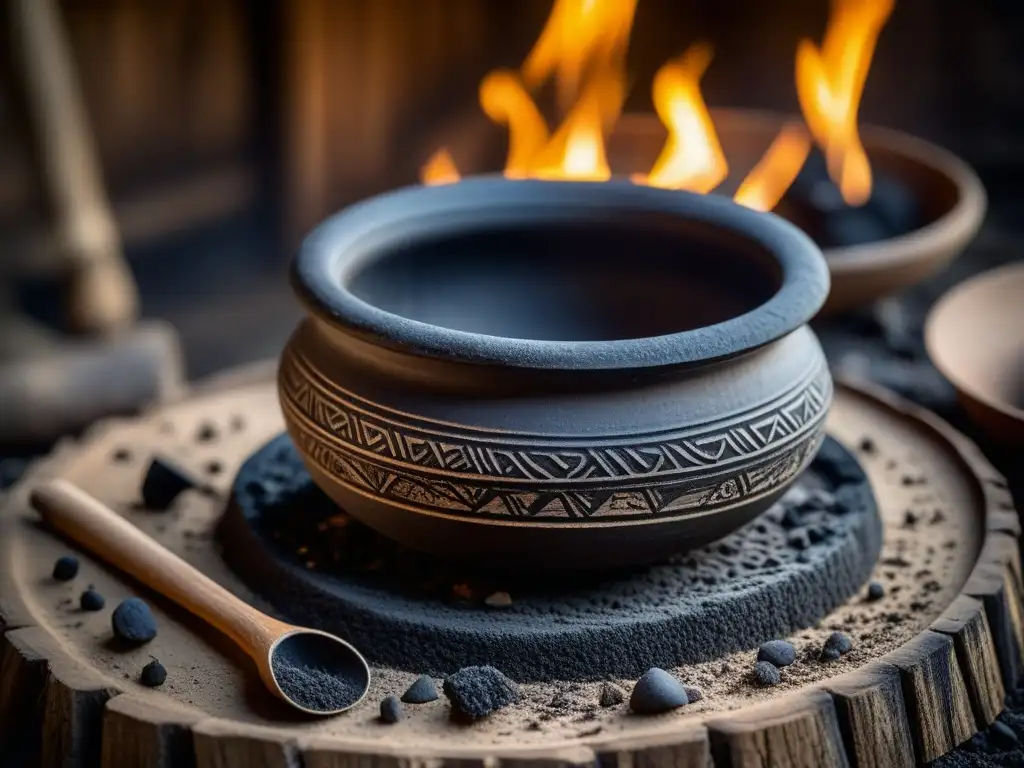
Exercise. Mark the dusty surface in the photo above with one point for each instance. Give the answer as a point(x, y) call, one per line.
point(922, 566)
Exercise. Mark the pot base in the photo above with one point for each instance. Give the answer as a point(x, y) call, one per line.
point(783, 571)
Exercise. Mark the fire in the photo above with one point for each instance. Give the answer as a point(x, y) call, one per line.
point(692, 158)
point(440, 169)
point(829, 83)
point(582, 48)
point(768, 181)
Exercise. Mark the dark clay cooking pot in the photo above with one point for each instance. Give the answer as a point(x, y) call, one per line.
point(555, 373)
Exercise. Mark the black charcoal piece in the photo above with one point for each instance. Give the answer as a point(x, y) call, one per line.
point(766, 674)
point(476, 692)
point(91, 600)
point(656, 692)
point(133, 622)
point(779, 653)
point(390, 710)
point(65, 568)
point(163, 482)
point(153, 674)
point(839, 643)
point(421, 691)
point(611, 695)
point(829, 653)
point(693, 694)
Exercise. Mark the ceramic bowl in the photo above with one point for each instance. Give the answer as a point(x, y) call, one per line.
point(975, 337)
point(951, 195)
point(555, 374)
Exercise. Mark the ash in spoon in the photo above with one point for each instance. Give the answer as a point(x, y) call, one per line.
point(318, 672)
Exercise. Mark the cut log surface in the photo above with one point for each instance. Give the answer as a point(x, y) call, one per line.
point(966, 623)
point(800, 731)
point(873, 716)
point(935, 694)
point(69, 698)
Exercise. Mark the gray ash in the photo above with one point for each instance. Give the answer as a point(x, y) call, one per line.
point(411, 611)
point(317, 673)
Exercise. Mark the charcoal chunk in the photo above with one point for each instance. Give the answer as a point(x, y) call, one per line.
point(65, 568)
point(153, 674)
point(163, 482)
point(611, 695)
point(835, 646)
point(779, 653)
point(91, 600)
point(390, 710)
point(766, 674)
point(133, 622)
point(421, 691)
point(656, 692)
point(478, 691)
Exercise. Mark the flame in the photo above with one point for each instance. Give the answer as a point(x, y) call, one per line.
point(580, 35)
point(772, 176)
point(583, 49)
point(692, 157)
point(505, 100)
point(440, 169)
point(829, 83)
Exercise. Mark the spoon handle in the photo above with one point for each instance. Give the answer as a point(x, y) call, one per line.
point(100, 529)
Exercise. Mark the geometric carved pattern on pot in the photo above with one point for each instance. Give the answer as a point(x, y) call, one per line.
point(466, 498)
point(354, 427)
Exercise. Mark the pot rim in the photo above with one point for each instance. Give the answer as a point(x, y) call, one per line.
point(340, 246)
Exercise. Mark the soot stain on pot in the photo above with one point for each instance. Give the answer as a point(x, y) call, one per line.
point(445, 618)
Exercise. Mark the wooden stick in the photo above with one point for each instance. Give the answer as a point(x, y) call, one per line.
point(101, 530)
point(103, 295)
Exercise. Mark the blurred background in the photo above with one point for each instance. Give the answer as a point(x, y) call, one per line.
point(211, 134)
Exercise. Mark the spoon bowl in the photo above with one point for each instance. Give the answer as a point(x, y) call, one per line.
point(313, 671)
point(316, 672)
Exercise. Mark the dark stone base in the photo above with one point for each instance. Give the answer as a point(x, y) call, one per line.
point(783, 571)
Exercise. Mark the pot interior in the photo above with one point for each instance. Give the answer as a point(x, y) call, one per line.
point(631, 277)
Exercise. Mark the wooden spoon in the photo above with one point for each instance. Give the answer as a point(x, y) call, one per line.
point(313, 671)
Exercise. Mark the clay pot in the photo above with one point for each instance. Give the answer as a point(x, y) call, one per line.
point(556, 374)
point(974, 338)
point(951, 195)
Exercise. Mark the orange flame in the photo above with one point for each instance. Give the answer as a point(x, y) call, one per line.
point(692, 157)
point(829, 84)
point(440, 169)
point(583, 48)
point(777, 170)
